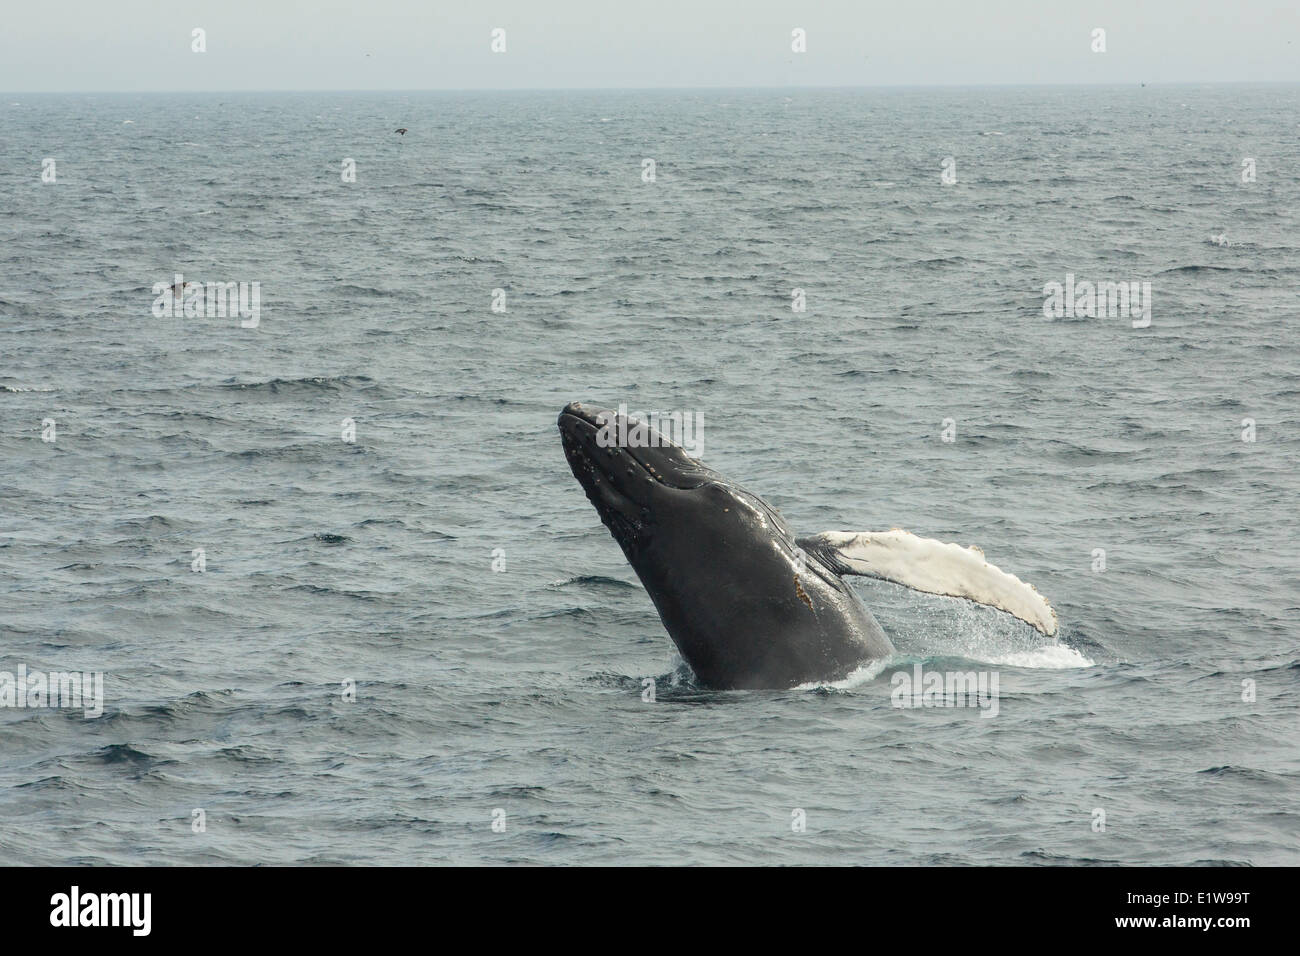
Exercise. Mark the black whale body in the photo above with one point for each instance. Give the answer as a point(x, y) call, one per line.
point(746, 607)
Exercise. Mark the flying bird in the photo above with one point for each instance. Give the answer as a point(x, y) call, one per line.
point(402, 131)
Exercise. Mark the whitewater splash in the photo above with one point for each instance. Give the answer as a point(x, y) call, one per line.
point(1049, 657)
point(864, 674)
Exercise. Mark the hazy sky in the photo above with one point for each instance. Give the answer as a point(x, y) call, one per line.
point(96, 45)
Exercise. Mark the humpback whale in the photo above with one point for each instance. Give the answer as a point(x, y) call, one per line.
point(747, 603)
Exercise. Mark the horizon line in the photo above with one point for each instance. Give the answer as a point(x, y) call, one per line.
point(656, 89)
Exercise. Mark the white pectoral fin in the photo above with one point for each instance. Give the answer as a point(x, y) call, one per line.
point(925, 564)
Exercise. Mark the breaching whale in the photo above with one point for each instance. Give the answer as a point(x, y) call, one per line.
point(747, 604)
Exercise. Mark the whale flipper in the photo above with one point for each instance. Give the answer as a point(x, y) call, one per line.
point(925, 564)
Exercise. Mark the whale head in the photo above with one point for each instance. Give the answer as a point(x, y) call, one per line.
point(648, 491)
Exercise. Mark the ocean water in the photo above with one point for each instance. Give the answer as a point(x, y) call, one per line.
point(1168, 702)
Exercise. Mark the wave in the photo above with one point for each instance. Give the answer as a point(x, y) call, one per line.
point(125, 754)
point(1245, 773)
point(596, 580)
point(1048, 657)
point(307, 383)
point(1193, 270)
point(864, 674)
